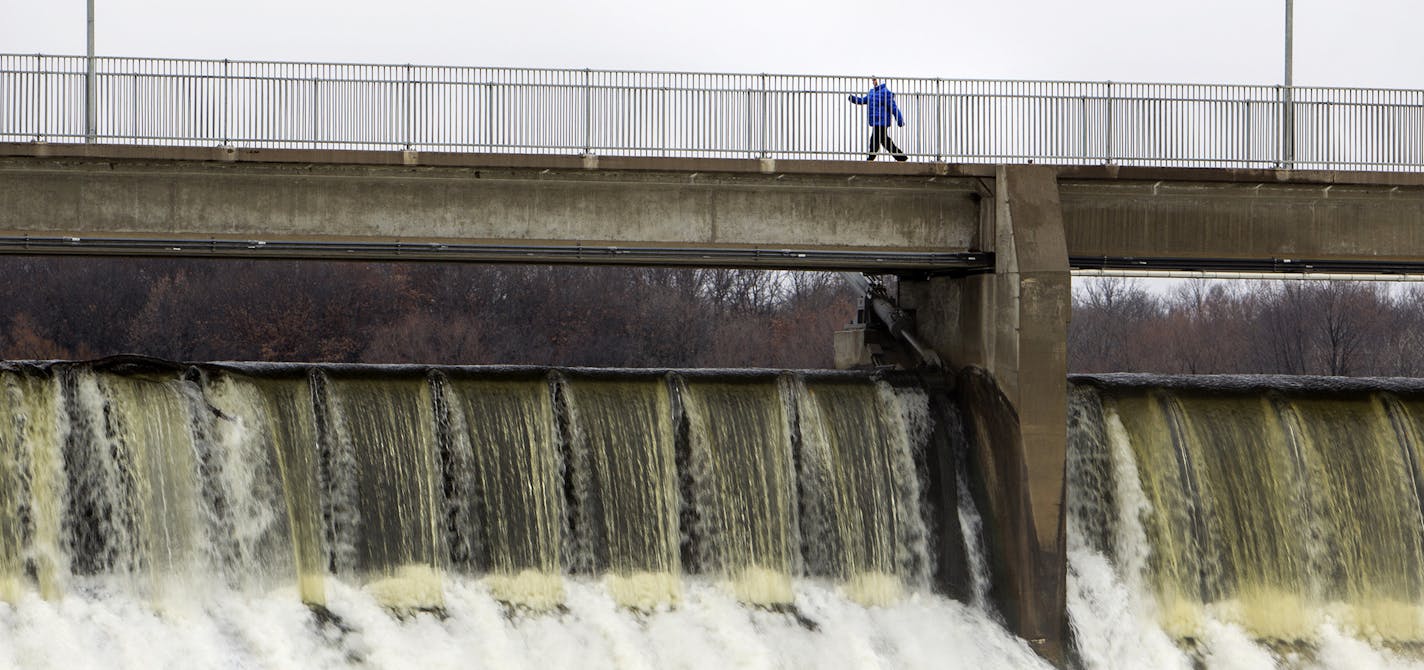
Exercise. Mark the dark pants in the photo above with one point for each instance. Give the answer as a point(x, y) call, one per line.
point(880, 136)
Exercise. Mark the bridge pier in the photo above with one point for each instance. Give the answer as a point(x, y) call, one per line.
point(1005, 334)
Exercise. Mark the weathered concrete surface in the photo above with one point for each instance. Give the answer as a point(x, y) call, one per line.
point(646, 202)
point(423, 197)
point(1262, 220)
point(1006, 333)
point(489, 198)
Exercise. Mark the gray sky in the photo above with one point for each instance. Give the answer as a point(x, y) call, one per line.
point(1338, 43)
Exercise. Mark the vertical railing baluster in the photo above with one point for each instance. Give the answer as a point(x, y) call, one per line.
point(764, 123)
point(316, 112)
point(1085, 149)
point(1290, 127)
point(1323, 154)
point(5, 111)
point(409, 94)
point(40, 87)
point(1108, 157)
point(751, 150)
point(939, 120)
point(1246, 133)
point(471, 104)
point(587, 112)
point(226, 100)
point(489, 116)
point(1286, 149)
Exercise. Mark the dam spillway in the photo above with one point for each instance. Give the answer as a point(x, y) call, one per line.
point(243, 515)
point(230, 515)
point(1251, 522)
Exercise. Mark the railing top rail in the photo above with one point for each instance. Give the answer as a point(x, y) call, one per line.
point(80, 60)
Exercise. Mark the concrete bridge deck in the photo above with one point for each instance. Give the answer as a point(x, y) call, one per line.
point(793, 214)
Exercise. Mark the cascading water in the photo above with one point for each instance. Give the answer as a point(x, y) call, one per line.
point(511, 523)
point(154, 515)
point(264, 442)
point(859, 479)
point(1246, 522)
point(622, 437)
point(304, 516)
point(743, 480)
point(386, 529)
point(32, 484)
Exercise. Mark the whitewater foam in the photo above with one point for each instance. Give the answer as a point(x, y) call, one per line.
point(100, 626)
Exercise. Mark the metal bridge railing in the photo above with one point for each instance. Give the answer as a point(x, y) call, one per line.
point(626, 113)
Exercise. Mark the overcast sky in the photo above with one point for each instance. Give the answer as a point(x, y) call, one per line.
point(1337, 42)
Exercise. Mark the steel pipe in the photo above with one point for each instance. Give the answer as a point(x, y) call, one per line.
point(702, 256)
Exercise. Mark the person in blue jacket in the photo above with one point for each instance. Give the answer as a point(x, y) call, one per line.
point(879, 107)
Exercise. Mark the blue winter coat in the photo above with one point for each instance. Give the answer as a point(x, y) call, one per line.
point(880, 105)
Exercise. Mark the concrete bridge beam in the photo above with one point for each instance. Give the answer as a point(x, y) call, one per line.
point(633, 210)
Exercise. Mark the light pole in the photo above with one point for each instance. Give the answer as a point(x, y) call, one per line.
point(1288, 117)
point(1290, 29)
point(89, 111)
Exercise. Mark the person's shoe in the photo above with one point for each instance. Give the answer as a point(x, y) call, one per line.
point(871, 157)
point(901, 157)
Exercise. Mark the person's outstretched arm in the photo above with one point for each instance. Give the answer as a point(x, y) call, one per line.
point(858, 99)
point(899, 120)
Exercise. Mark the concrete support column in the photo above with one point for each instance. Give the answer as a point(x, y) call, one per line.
point(1006, 336)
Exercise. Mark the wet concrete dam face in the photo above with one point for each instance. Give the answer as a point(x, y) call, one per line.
point(226, 515)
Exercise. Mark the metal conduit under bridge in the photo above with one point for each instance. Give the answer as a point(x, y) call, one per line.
point(699, 256)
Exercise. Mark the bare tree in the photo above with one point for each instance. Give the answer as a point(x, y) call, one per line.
point(1401, 347)
point(436, 313)
point(1110, 317)
point(1204, 326)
